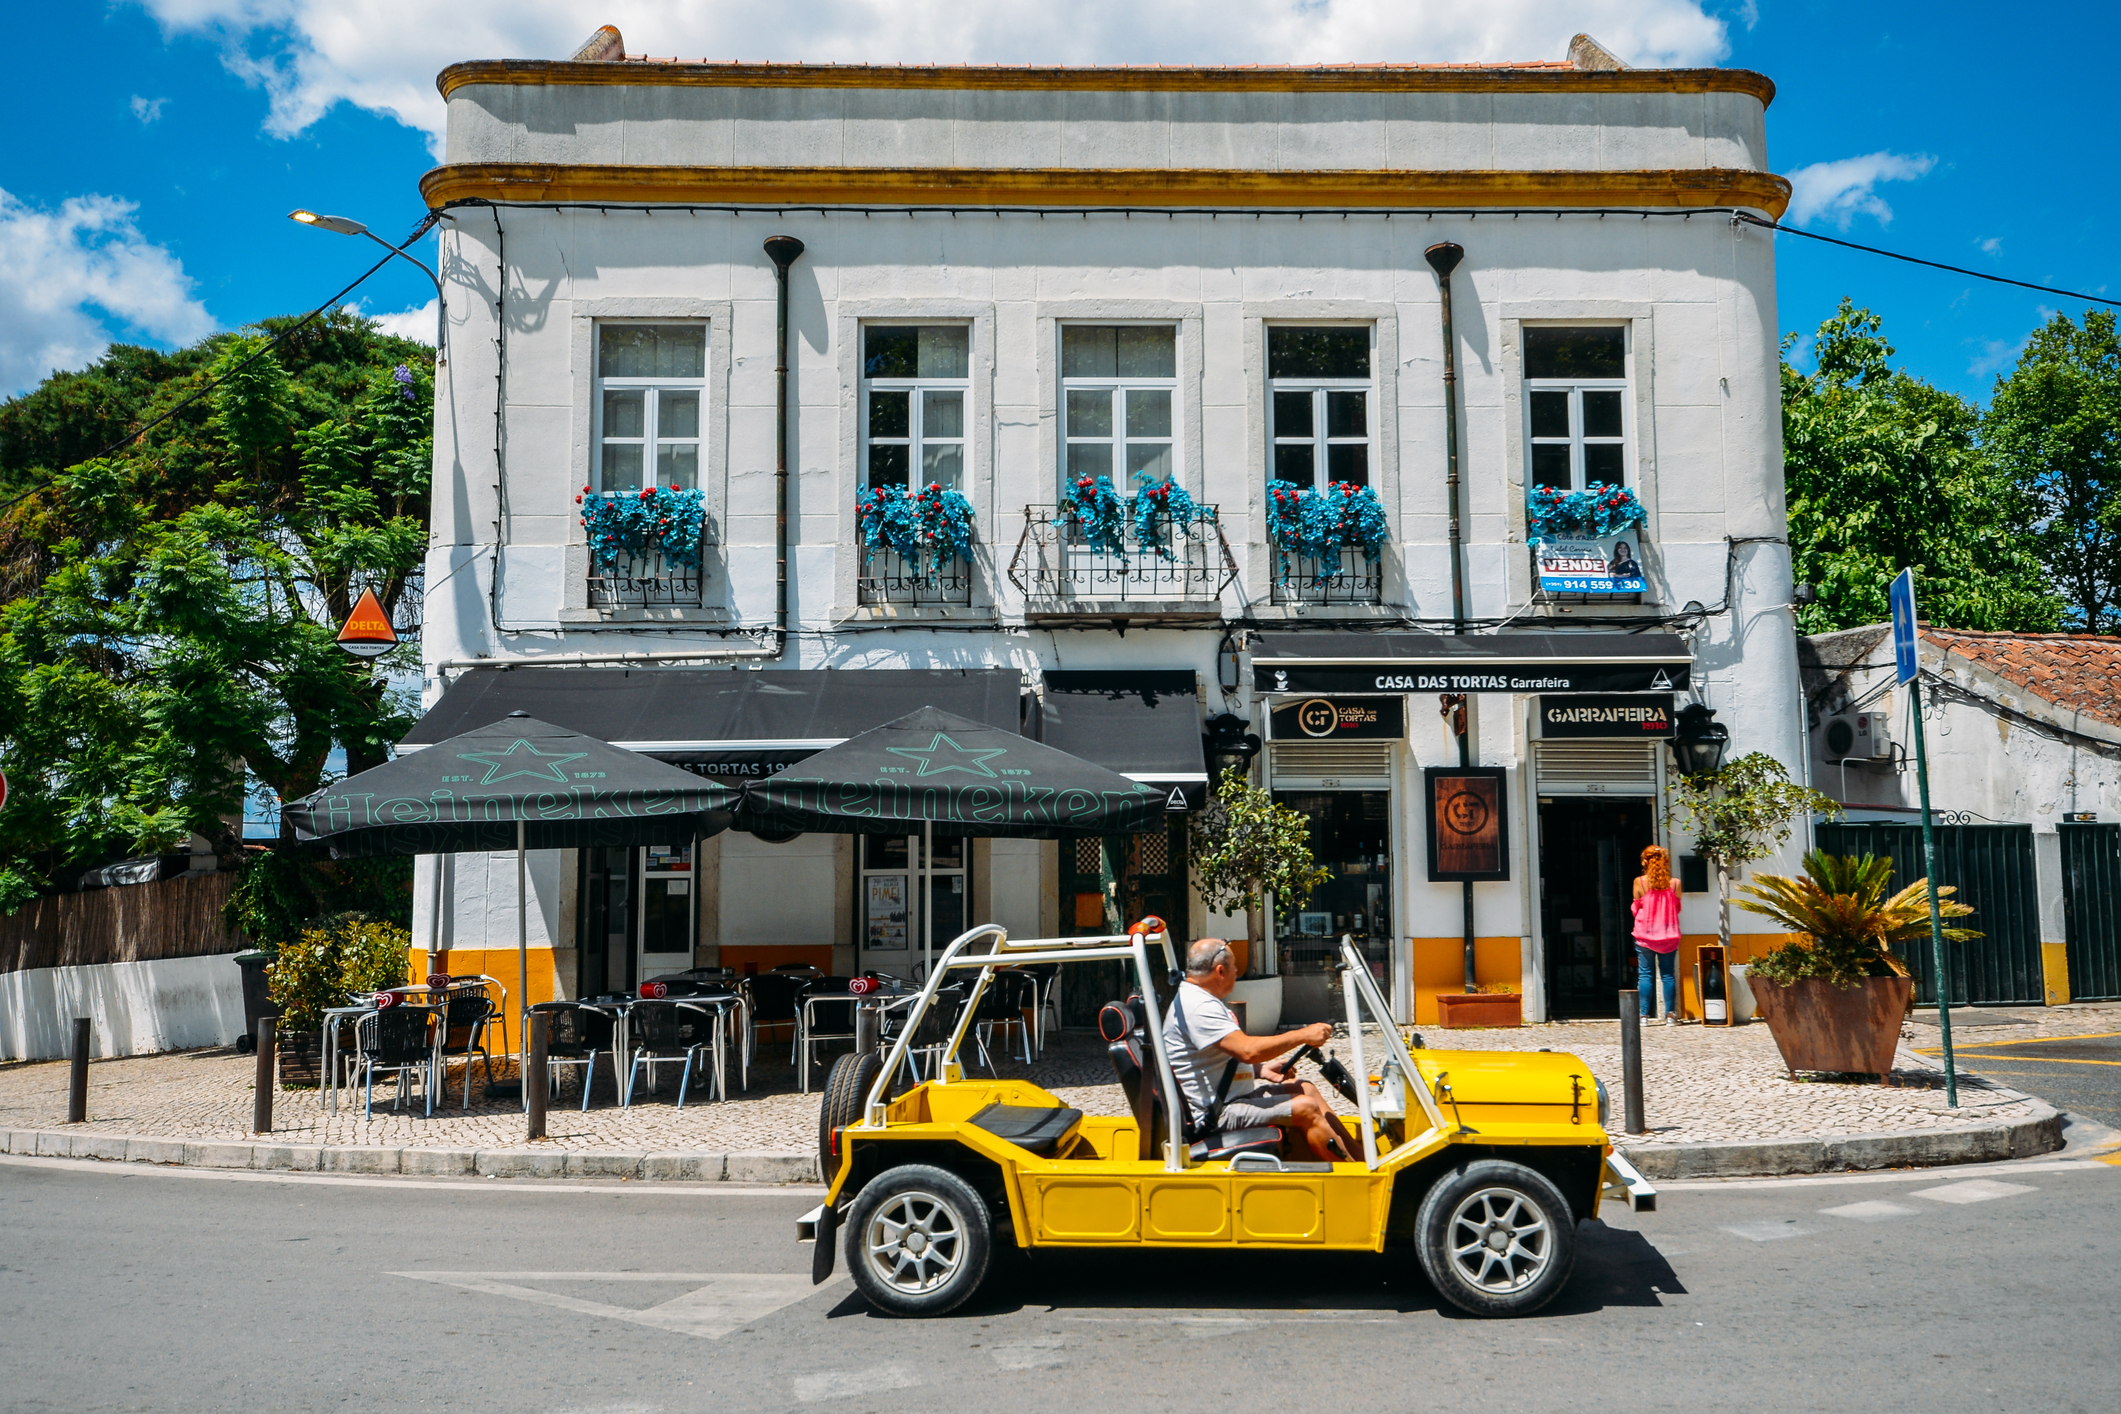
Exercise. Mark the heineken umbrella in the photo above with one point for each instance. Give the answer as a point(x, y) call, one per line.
point(517, 783)
point(935, 773)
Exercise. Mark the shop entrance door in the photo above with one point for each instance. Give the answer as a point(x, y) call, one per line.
point(1590, 850)
point(1108, 884)
point(666, 912)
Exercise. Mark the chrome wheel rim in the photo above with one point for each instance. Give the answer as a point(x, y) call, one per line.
point(915, 1243)
point(1500, 1241)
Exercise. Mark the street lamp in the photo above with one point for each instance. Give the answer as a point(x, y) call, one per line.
point(1701, 741)
point(1230, 746)
point(347, 226)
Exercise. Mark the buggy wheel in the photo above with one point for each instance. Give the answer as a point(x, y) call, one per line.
point(1496, 1238)
point(918, 1241)
point(846, 1087)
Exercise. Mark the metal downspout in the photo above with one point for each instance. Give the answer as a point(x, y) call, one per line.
point(1443, 258)
point(782, 251)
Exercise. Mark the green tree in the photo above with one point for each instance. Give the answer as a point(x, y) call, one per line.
point(1885, 472)
point(170, 611)
point(2055, 421)
point(1739, 814)
point(1244, 847)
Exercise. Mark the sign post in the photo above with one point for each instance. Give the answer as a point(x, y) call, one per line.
point(1908, 670)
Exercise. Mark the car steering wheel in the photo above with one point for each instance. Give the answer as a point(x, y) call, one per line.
point(1331, 1071)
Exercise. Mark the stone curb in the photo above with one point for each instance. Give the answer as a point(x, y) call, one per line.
point(2040, 1133)
point(672, 1166)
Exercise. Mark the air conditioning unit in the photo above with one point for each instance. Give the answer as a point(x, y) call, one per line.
point(1860, 736)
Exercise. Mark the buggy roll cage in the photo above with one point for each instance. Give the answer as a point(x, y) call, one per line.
point(1397, 1077)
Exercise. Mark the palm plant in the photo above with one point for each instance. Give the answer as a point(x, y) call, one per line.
point(1848, 924)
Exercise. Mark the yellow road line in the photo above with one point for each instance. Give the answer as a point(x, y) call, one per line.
point(2028, 1041)
point(2033, 1060)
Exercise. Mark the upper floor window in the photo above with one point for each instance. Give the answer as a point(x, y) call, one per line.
point(1117, 383)
point(916, 379)
point(1318, 413)
point(650, 381)
point(1576, 385)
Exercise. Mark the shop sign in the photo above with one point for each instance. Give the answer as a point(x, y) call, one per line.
point(1341, 719)
point(1639, 717)
point(738, 763)
point(1496, 677)
point(1588, 566)
point(1468, 824)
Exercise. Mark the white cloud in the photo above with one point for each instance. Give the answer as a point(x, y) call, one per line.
point(67, 276)
point(1995, 355)
point(415, 324)
point(1841, 190)
point(147, 110)
point(383, 55)
point(1992, 246)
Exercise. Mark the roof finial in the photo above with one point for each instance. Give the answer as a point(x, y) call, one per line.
point(1584, 52)
point(606, 44)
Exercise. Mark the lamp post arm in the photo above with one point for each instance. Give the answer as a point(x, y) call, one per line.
point(441, 298)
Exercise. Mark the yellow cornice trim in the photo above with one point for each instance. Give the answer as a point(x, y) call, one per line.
point(1269, 79)
point(534, 182)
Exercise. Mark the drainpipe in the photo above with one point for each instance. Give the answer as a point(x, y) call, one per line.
point(1443, 258)
point(782, 251)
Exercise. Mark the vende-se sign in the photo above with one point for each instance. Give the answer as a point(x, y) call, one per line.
point(1340, 719)
point(1646, 715)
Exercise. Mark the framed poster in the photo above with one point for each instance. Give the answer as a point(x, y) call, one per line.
point(886, 913)
point(1469, 836)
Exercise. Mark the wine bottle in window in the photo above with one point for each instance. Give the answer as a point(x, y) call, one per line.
point(1715, 1007)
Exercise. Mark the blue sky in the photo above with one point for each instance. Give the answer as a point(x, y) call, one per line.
point(159, 149)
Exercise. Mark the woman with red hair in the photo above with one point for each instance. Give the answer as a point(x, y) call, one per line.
point(1656, 911)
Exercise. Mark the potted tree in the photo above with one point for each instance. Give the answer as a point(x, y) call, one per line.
point(1741, 813)
point(344, 957)
point(1245, 849)
point(1834, 996)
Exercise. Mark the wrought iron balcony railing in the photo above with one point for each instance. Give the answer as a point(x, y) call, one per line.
point(1055, 561)
point(644, 582)
point(1350, 577)
point(889, 578)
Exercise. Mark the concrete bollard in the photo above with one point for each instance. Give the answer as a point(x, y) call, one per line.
point(1631, 1062)
point(77, 1083)
point(268, 1080)
point(537, 1075)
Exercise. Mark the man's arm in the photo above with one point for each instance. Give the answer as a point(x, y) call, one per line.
point(1252, 1050)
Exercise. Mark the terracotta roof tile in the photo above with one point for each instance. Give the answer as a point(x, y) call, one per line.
point(2078, 672)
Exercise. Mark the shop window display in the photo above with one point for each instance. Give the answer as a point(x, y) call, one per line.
point(1351, 835)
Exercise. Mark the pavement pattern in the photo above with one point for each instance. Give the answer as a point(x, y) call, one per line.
point(1701, 1084)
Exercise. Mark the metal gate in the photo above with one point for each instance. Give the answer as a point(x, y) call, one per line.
point(2091, 904)
point(1992, 867)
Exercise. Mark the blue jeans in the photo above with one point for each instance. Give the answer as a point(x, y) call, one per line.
point(1648, 965)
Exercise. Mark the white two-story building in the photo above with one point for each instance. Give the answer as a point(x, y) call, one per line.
point(1007, 283)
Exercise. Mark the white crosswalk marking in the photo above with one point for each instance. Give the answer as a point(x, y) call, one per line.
point(838, 1384)
point(1768, 1231)
point(717, 1304)
point(1973, 1190)
point(1871, 1212)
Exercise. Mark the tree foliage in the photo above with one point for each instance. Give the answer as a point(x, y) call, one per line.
point(1885, 472)
point(168, 612)
point(1742, 813)
point(2055, 421)
point(1243, 846)
point(1849, 926)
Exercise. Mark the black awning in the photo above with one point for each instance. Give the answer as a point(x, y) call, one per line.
point(1144, 725)
point(1483, 662)
point(734, 723)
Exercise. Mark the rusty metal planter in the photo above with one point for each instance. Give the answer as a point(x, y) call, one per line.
point(1461, 1009)
point(1818, 1026)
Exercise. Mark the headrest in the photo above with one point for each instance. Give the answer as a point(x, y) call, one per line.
point(1114, 1023)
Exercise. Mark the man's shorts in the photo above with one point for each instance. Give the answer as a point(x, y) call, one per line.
point(1262, 1104)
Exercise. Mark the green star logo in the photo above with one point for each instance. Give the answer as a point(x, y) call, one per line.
point(973, 761)
point(526, 759)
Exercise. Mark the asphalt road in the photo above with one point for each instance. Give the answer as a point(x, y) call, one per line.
point(2079, 1074)
point(124, 1287)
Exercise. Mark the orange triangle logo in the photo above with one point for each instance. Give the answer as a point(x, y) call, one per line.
point(368, 623)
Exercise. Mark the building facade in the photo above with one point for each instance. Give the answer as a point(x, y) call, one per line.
point(1011, 283)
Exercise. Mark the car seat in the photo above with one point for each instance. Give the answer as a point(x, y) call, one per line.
point(1125, 1027)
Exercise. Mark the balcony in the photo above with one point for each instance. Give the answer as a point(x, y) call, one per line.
point(886, 577)
point(646, 581)
point(1350, 577)
point(1060, 571)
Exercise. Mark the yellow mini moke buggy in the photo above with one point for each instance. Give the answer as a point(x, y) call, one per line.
point(1483, 1161)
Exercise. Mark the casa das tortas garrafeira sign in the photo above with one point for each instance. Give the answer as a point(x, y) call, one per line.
point(1341, 719)
point(1471, 677)
point(1644, 716)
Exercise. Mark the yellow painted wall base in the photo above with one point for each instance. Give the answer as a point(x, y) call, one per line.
point(500, 964)
point(2054, 971)
point(1440, 966)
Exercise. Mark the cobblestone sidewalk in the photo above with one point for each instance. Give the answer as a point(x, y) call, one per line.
point(1701, 1084)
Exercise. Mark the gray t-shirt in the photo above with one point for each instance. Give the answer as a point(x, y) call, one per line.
point(1198, 1019)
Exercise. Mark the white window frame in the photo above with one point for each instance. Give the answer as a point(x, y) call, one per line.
point(1577, 439)
point(1120, 388)
point(1320, 439)
point(650, 439)
point(917, 440)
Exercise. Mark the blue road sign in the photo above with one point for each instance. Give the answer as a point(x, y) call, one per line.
point(1903, 596)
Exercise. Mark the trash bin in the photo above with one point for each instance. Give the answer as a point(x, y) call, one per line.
point(257, 1002)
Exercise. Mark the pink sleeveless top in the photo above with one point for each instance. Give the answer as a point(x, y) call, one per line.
point(1657, 919)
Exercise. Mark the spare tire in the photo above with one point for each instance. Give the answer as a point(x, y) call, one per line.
point(846, 1089)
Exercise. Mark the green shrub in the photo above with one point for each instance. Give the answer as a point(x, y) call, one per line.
point(348, 955)
point(1848, 926)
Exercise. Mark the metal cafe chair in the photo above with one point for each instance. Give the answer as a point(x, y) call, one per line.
point(467, 1013)
point(664, 1032)
point(731, 1008)
point(773, 998)
point(574, 1033)
point(924, 1052)
point(826, 1014)
point(398, 1040)
point(1010, 1000)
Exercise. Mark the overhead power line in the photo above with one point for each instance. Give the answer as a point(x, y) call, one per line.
point(1752, 220)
